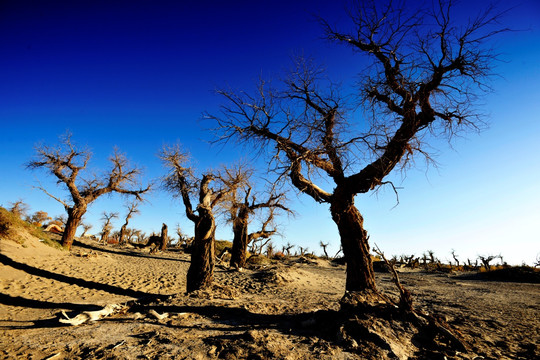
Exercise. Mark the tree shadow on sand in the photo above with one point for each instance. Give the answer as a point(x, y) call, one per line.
point(240, 331)
point(137, 254)
point(73, 280)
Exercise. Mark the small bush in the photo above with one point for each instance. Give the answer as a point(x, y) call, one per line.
point(10, 221)
point(258, 260)
point(221, 245)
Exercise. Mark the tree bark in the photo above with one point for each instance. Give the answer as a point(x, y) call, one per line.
point(164, 238)
point(201, 270)
point(75, 215)
point(354, 240)
point(240, 242)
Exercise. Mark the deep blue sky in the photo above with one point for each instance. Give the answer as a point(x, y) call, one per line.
point(138, 74)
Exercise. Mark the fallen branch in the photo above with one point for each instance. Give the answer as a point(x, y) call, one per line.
point(91, 315)
point(405, 298)
point(157, 315)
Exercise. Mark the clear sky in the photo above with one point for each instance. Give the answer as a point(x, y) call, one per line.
point(139, 74)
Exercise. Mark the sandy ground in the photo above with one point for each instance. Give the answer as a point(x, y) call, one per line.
point(286, 310)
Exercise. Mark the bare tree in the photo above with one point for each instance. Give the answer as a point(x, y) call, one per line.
point(486, 260)
point(181, 182)
point(453, 252)
point(159, 241)
point(423, 80)
point(141, 236)
point(241, 203)
point(182, 237)
point(19, 208)
point(324, 246)
point(85, 227)
point(107, 227)
point(66, 162)
point(287, 249)
point(131, 210)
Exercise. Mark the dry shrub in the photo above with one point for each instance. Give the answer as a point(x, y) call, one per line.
point(221, 245)
point(258, 260)
point(6, 222)
point(11, 226)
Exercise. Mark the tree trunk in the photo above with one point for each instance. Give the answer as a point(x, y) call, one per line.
point(354, 240)
point(122, 234)
point(164, 238)
point(75, 215)
point(240, 242)
point(201, 269)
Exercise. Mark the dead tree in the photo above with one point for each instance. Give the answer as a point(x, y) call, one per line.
point(182, 238)
point(131, 210)
point(264, 235)
point(286, 249)
point(19, 208)
point(486, 260)
point(423, 79)
point(324, 246)
point(241, 203)
point(66, 162)
point(107, 227)
point(85, 227)
point(453, 252)
point(158, 241)
point(181, 182)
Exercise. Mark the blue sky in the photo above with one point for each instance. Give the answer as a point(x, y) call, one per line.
point(139, 74)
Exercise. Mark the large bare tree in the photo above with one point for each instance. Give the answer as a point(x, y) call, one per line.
point(423, 77)
point(241, 203)
point(181, 181)
point(66, 162)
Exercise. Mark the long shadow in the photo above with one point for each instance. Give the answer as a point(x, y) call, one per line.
point(124, 252)
point(39, 304)
point(73, 280)
point(242, 319)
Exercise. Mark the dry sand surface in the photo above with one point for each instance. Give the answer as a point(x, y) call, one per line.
point(285, 310)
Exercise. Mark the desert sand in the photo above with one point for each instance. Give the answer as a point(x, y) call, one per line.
point(281, 310)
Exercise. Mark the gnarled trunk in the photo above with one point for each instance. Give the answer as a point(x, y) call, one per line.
point(240, 242)
point(75, 215)
point(164, 238)
point(354, 240)
point(201, 269)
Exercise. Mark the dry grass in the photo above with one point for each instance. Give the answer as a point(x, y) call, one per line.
point(13, 228)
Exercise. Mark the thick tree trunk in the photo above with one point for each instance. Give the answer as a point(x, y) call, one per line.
point(201, 270)
point(75, 215)
point(240, 242)
point(164, 238)
point(354, 240)
point(122, 234)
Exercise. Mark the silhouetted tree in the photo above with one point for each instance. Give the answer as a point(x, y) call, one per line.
point(181, 182)
point(423, 78)
point(66, 162)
